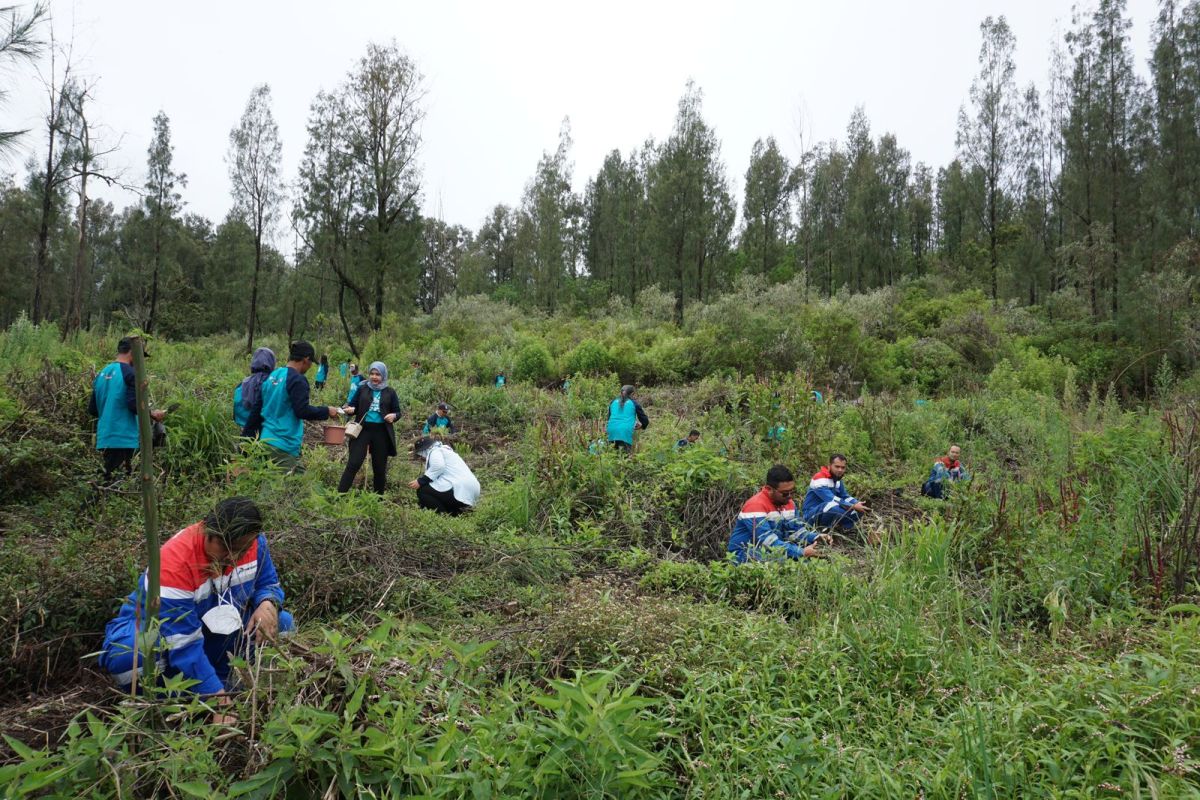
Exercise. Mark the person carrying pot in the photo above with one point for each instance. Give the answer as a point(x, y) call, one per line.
point(220, 596)
point(285, 407)
point(376, 408)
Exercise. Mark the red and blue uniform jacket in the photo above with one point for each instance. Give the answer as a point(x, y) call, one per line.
point(764, 530)
point(947, 469)
point(189, 591)
point(824, 494)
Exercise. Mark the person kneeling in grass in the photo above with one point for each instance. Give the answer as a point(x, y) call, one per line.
point(768, 525)
point(220, 596)
point(827, 504)
point(448, 485)
point(947, 469)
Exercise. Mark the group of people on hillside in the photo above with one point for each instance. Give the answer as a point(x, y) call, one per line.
point(770, 525)
point(220, 593)
point(275, 402)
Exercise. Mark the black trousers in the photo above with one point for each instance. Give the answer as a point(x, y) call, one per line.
point(441, 502)
point(374, 437)
point(117, 457)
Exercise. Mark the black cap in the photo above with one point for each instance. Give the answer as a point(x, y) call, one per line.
point(301, 350)
point(126, 346)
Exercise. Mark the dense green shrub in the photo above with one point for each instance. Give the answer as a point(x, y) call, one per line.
point(588, 358)
point(533, 363)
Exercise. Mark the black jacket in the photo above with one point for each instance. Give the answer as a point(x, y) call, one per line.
point(389, 403)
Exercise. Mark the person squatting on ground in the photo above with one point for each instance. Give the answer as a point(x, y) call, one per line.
point(692, 437)
point(439, 421)
point(247, 397)
point(376, 407)
point(947, 469)
point(114, 402)
point(624, 416)
point(768, 527)
point(448, 485)
point(220, 597)
point(827, 504)
point(285, 407)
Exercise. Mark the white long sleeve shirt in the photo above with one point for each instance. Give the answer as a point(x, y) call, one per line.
point(446, 470)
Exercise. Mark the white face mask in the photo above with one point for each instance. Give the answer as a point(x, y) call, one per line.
point(223, 619)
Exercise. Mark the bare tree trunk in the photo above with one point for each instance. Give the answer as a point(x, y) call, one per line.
point(154, 277)
point(75, 317)
point(342, 317)
point(254, 290)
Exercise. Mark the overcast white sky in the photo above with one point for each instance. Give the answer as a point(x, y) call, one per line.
point(502, 75)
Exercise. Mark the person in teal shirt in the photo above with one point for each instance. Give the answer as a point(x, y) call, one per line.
point(322, 372)
point(376, 407)
point(114, 402)
point(624, 416)
point(439, 421)
point(500, 381)
point(285, 407)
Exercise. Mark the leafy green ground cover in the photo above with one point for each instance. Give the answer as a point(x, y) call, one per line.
point(578, 635)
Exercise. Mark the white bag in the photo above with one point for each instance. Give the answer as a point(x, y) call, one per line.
point(353, 429)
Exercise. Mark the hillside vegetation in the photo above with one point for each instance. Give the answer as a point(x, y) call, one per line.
point(581, 634)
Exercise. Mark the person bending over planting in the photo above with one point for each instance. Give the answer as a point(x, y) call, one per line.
point(768, 527)
point(285, 407)
point(827, 504)
point(114, 402)
point(439, 421)
point(692, 437)
point(220, 596)
point(448, 485)
point(624, 416)
point(376, 407)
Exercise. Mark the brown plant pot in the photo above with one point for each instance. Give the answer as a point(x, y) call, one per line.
point(335, 434)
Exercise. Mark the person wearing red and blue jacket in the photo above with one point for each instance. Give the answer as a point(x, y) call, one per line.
point(221, 562)
point(827, 503)
point(768, 527)
point(947, 469)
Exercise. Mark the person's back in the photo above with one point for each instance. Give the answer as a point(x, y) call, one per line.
point(624, 414)
point(285, 406)
point(448, 485)
point(117, 426)
point(281, 428)
point(462, 480)
point(241, 414)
